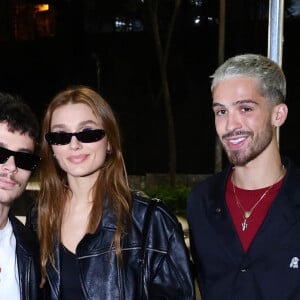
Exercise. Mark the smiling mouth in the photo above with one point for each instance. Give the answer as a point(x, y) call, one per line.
point(237, 140)
point(77, 158)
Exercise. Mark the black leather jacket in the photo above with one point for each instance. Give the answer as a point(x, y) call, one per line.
point(162, 273)
point(27, 253)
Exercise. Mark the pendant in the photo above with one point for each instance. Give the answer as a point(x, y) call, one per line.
point(247, 214)
point(244, 224)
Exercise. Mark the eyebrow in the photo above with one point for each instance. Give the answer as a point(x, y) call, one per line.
point(238, 102)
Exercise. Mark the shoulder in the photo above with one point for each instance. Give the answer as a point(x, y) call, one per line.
point(293, 171)
point(291, 181)
point(212, 182)
point(17, 225)
point(154, 221)
point(208, 193)
point(142, 203)
point(25, 238)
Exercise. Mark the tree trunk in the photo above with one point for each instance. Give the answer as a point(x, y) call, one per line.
point(163, 55)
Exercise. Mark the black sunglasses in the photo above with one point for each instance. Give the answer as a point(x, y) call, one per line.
point(64, 138)
point(23, 160)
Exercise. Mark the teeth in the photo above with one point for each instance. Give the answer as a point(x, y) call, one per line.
point(236, 141)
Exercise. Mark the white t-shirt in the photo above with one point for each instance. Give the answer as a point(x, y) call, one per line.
point(9, 279)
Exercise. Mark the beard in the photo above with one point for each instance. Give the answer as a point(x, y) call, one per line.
point(257, 145)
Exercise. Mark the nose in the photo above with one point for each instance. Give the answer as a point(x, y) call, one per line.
point(74, 143)
point(233, 121)
point(10, 165)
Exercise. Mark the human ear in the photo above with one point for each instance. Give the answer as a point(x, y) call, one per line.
point(280, 112)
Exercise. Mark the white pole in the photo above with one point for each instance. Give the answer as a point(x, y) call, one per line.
point(275, 39)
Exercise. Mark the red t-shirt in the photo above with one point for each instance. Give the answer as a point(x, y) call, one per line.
point(248, 198)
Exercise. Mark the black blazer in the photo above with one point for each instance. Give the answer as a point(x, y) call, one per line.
point(270, 268)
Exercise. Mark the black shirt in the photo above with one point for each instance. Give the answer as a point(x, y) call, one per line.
point(69, 280)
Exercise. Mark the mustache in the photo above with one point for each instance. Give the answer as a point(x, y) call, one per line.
point(237, 133)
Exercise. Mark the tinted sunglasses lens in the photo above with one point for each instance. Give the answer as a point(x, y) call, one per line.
point(58, 138)
point(90, 136)
point(64, 138)
point(4, 155)
point(23, 160)
point(26, 161)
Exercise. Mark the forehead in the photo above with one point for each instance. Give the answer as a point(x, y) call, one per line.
point(15, 141)
point(236, 89)
point(72, 114)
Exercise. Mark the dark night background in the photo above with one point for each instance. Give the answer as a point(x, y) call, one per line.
point(41, 53)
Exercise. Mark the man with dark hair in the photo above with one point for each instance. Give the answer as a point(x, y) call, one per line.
point(19, 252)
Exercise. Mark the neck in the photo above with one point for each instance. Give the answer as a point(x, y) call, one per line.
point(81, 187)
point(252, 178)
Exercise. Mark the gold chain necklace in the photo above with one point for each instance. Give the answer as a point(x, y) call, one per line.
point(247, 213)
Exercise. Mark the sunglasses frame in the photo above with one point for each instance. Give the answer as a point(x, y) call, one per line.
point(61, 138)
point(23, 160)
